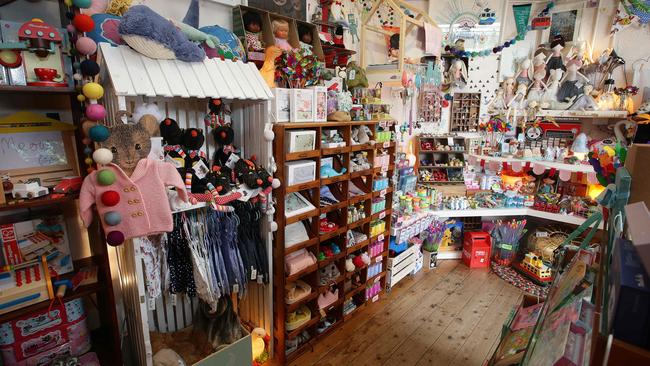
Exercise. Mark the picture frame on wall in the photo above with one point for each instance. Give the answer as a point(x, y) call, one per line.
point(565, 20)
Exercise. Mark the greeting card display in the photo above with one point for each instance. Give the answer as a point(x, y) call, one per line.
point(301, 105)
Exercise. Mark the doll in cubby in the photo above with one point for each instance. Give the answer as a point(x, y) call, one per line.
point(253, 28)
point(280, 29)
point(306, 39)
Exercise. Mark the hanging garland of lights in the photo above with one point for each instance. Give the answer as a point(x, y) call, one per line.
point(90, 91)
point(498, 49)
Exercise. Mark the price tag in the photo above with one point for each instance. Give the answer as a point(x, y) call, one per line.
point(232, 159)
point(382, 193)
point(176, 162)
point(380, 237)
point(386, 144)
point(200, 169)
point(378, 260)
point(253, 274)
point(352, 74)
point(541, 234)
point(382, 215)
point(174, 300)
point(260, 279)
point(506, 246)
point(235, 288)
point(375, 298)
point(151, 304)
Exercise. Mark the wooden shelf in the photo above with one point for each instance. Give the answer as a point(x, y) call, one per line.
point(440, 167)
point(294, 333)
point(362, 147)
point(355, 291)
point(356, 247)
point(376, 278)
point(334, 207)
point(302, 155)
point(583, 168)
point(381, 215)
point(45, 90)
point(351, 314)
point(444, 151)
point(292, 307)
point(305, 244)
point(338, 178)
point(302, 216)
point(337, 212)
point(38, 202)
point(82, 291)
point(302, 186)
point(362, 173)
point(335, 150)
point(304, 272)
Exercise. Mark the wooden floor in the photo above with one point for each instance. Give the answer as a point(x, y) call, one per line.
point(448, 316)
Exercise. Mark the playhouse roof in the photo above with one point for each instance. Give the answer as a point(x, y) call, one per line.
point(133, 74)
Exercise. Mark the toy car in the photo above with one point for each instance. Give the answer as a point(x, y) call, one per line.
point(29, 190)
point(68, 185)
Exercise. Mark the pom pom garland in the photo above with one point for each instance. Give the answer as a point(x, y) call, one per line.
point(83, 23)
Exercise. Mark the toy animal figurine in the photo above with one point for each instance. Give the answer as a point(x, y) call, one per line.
point(549, 99)
point(508, 87)
point(268, 68)
point(361, 135)
point(524, 74)
point(458, 74)
point(569, 84)
point(246, 172)
point(280, 29)
point(556, 61)
point(585, 102)
point(326, 171)
point(498, 103)
point(537, 88)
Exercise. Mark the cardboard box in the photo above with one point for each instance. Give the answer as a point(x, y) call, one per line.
point(281, 105)
point(301, 105)
point(638, 230)
point(637, 162)
point(299, 140)
point(320, 103)
point(300, 171)
point(629, 302)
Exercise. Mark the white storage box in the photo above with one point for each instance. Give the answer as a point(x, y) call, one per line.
point(281, 105)
point(301, 105)
point(299, 140)
point(320, 103)
point(402, 265)
point(300, 171)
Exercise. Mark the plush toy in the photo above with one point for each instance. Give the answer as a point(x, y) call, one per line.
point(327, 171)
point(196, 164)
point(154, 36)
point(171, 132)
point(246, 173)
point(349, 265)
point(130, 193)
point(220, 181)
point(356, 76)
point(361, 134)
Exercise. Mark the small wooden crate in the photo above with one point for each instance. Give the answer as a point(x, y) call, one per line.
point(400, 266)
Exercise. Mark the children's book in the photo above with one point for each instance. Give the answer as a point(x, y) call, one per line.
point(27, 241)
point(527, 317)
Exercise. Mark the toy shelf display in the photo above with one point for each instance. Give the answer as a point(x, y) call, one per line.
point(440, 159)
point(330, 253)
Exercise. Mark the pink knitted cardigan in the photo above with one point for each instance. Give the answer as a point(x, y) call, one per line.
point(143, 208)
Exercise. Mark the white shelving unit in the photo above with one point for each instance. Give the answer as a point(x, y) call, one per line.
point(583, 168)
point(181, 90)
point(498, 212)
point(582, 114)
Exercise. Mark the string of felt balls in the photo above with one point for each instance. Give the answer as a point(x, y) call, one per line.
point(85, 73)
point(498, 49)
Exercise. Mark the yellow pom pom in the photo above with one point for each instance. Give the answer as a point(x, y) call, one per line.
point(68, 2)
point(93, 91)
point(81, 97)
point(88, 161)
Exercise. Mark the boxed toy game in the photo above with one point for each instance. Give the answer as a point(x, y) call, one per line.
point(26, 241)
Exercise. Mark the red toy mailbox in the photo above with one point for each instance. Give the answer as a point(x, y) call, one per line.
point(476, 249)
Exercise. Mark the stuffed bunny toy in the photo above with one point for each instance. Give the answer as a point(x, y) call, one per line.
point(361, 134)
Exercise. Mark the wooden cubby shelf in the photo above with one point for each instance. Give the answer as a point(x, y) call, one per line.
point(340, 186)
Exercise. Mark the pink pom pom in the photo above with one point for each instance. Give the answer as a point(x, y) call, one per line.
point(95, 112)
point(86, 46)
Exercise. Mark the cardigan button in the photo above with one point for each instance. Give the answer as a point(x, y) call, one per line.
point(112, 218)
point(134, 215)
point(126, 190)
point(132, 189)
point(140, 213)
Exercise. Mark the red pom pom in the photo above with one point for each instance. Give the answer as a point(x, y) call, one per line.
point(223, 134)
point(83, 23)
point(194, 133)
point(168, 121)
point(259, 182)
point(110, 198)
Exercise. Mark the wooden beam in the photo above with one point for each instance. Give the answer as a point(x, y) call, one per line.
point(396, 8)
point(410, 27)
point(372, 11)
point(417, 22)
point(378, 30)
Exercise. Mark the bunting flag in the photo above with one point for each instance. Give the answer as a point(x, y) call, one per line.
point(521, 14)
point(565, 175)
point(538, 169)
point(516, 166)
